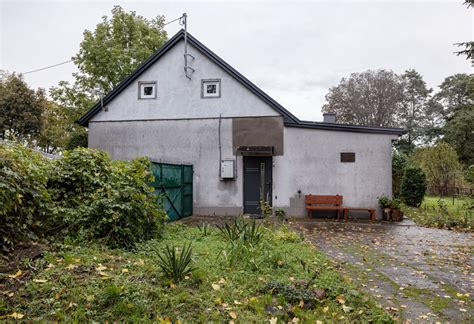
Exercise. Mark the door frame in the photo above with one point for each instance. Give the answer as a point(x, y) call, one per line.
point(243, 179)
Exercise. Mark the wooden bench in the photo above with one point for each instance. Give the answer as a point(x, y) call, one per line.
point(323, 202)
point(371, 212)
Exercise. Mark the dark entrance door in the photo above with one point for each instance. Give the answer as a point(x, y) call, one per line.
point(257, 182)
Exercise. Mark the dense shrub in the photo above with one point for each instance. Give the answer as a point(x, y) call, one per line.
point(399, 163)
point(99, 199)
point(413, 186)
point(23, 196)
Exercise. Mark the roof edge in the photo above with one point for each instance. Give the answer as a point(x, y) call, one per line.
point(287, 116)
point(347, 128)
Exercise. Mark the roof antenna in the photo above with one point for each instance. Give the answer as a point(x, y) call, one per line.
point(183, 22)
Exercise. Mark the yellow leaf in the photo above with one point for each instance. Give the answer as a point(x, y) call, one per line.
point(295, 320)
point(273, 320)
point(233, 314)
point(237, 302)
point(124, 270)
point(40, 280)
point(341, 300)
point(222, 281)
point(101, 268)
point(16, 275)
point(301, 304)
point(71, 267)
point(319, 322)
point(216, 287)
point(16, 315)
point(346, 309)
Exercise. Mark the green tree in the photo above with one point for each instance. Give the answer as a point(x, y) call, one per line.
point(413, 186)
point(440, 164)
point(20, 109)
point(374, 98)
point(54, 132)
point(106, 56)
point(468, 47)
point(115, 48)
point(399, 164)
point(454, 93)
point(459, 133)
point(413, 114)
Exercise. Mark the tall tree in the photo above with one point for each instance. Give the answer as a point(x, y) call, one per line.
point(374, 98)
point(115, 48)
point(441, 166)
point(20, 109)
point(468, 47)
point(454, 93)
point(106, 56)
point(459, 132)
point(413, 114)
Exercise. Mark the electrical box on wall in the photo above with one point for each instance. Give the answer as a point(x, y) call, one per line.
point(227, 169)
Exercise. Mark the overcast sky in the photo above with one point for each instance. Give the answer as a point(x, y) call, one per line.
point(293, 50)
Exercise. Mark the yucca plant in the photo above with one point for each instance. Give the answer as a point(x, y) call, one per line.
point(205, 229)
point(174, 264)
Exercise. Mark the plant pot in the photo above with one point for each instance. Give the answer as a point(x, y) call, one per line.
point(397, 215)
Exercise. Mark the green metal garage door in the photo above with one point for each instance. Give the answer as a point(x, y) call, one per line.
point(175, 183)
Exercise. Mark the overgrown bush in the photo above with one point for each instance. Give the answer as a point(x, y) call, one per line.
point(413, 186)
point(23, 196)
point(99, 199)
point(399, 163)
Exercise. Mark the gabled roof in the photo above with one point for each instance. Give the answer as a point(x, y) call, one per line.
point(287, 116)
point(289, 119)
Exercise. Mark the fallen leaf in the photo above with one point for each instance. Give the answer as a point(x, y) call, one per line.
point(319, 322)
point(340, 299)
point(346, 309)
point(233, 314)
point(101, 268)
point(325, 309)
point(16, 315)
point(16, 275)
point(71, 267)
point(124, 270)
point(222, 281)
point(295, 320)
point(216, 287)
point(40, 280)
point(273, 320)
point(463, 310)
point(237, 302)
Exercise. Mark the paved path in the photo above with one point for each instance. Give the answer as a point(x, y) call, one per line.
point(418, 274)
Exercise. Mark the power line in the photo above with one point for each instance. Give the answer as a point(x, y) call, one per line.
point(47, 67)
point(65, 62)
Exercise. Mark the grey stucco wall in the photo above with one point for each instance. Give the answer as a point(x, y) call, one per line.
point(178, 97)
point(179, 141)
point(311, 163)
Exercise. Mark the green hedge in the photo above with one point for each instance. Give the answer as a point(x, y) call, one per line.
point(24, 199)
point(82, 196)
point(413, 187)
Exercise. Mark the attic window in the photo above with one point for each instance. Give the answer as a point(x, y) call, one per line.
point(348, 157)
point(147, 90)
point(211, 88)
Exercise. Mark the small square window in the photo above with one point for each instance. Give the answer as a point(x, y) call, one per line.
point(348, 157)
point(211, 88)
point(147, 90)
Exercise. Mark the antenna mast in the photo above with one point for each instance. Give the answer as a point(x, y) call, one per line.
point(183, 21)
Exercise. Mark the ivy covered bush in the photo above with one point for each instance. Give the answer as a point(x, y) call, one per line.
point(24, 199)
point(413, 187)
point(96, 198)
point(82, 196)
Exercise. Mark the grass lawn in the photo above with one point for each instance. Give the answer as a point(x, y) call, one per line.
point(441, 212)
point(279, 278)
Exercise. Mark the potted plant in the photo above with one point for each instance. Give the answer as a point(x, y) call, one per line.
point(396, 213)
point(385, 202)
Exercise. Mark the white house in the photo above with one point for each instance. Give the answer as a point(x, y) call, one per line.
point(240, 141)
